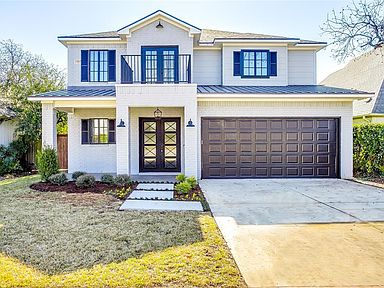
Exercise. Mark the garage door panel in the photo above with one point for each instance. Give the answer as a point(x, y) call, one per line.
point(269, 147)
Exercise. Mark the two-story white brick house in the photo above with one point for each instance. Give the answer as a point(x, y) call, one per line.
point(161, 96)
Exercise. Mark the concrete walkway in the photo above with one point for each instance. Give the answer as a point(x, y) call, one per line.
point(283, 232)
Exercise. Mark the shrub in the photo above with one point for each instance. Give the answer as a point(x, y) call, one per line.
point(85, 181)
point(368, 150)
point(47, 162)
point(183, 187)
point(192, 181)
point(9, 160)
point(121, 193)
point(77, 174)
point(58, 179)
point(122, 180)
point(181, 177)
point(107, 179)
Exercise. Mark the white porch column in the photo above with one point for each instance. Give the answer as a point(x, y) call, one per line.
point(190, 141)
point(346, 147)
point(48, 119)
point(122, 140)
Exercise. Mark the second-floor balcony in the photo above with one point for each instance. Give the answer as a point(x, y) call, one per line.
point(155, 68)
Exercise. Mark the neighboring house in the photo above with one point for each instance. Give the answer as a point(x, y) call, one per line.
point(7, 124)
point(161, 96)
point(366, 73)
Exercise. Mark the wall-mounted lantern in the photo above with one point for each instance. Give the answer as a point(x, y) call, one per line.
point(190, 123)
point(158, 113)
point(159, 26)
point(121, 124)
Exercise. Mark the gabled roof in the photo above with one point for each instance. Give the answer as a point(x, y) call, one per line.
point(107, 34)
point(365, 72)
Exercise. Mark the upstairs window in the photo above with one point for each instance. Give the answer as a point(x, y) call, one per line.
point(98, 65)
point(98, 131)
point(254, 63)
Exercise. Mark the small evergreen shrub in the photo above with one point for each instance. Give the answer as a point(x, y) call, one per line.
point(47, 163)
point(9, 160)
point(181, 177)
point(85, 181)
point(107, 179)
point(183, 187)
point(58, 179)
point(368, 150)
point(77, 174)
point(121, 193)
point(192, 181)
point(122, 180)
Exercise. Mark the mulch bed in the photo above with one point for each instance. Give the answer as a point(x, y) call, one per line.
point(71, 187)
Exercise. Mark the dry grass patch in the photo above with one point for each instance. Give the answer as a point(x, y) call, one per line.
point(48, 243)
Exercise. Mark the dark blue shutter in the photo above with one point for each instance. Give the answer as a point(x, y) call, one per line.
point(111, 65)
point(273, 63)
point(84, 65)
point(236, 63)
point(85, 131)
point(111, 131)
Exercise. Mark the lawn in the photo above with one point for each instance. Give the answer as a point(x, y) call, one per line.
point(55, 239)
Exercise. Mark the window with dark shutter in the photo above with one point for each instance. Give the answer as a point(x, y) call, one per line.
point(236, 63)
point(112, 65)
point(273, 63)
point(85, 131)
point(84, 65)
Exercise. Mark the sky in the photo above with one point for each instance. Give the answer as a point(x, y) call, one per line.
point(36, 24)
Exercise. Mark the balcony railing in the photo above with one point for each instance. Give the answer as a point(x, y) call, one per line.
point(154, 70)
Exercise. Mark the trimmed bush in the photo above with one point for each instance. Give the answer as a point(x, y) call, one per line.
point(122, 180)
point(85, 181)
point(368, 150)
point(9, 160)
point(47, 163)
point(121, 193)
point(183, 187)
point(58, 179)
point(192, 181)
point(77, 174)
point(107, 179)
point(181, 177)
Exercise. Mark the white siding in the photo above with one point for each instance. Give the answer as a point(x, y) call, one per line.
point(302, 68)
point(74, 63)
point(287, 109)
point(7, 131)
point(91, 158)
point(280, 80)
point(207, 67)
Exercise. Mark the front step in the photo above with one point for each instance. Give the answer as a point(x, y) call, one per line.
point(151, 194)
point(154, 187)
point(161, 205)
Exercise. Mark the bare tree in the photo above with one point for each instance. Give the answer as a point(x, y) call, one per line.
point(356, 28)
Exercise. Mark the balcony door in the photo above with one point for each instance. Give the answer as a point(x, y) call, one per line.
point(159, 145)
point(159, 64)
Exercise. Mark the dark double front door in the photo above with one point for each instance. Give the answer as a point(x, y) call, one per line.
point(159, 145)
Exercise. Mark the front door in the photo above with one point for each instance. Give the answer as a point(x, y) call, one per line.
point(159, 145)
point(160, 64)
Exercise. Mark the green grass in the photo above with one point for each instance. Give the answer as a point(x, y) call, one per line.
point(58, 239)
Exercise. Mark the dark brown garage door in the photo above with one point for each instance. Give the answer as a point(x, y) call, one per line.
point(269, 147)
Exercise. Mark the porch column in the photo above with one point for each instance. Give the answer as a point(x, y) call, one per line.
point(346, 145)
point(122, 140)
point(190, 141)
point(48, 125)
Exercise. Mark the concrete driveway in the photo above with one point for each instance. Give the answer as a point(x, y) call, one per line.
point(301, 232)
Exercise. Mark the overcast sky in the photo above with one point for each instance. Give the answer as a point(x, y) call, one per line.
point(36, 24)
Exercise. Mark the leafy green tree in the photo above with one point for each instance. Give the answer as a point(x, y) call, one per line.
point(23, 74)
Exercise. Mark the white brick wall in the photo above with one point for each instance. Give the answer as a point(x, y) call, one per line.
point(91, 158)
point(207, 67)
point(282, 74)
point(302, 68)
point(7, 131)
point(286, 109)
point(74, 63)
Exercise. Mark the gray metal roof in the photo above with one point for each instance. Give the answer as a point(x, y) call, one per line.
point(379, 104)
point(75, 91)
point(290, 89)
